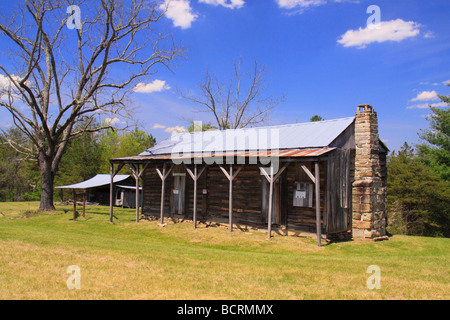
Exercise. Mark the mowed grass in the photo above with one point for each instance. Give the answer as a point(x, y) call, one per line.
point(125, 260)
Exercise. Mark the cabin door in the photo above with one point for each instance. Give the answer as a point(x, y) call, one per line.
point(178, 193)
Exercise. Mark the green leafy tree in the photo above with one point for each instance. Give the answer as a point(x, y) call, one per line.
point(435, 152)
point(316, 118)
point(81, 160)
point(418, 200)
point(116, 144)
point(19, 173)
point(195, 126)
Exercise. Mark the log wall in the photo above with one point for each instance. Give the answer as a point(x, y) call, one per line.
point(247, 196)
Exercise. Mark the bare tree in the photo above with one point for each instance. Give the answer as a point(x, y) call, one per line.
point(61, 71)
point(242, 102)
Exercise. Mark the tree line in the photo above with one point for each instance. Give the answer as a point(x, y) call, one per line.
point(86, 156)
point(418, 186)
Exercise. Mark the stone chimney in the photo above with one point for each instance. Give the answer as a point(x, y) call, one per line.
point(369, 186)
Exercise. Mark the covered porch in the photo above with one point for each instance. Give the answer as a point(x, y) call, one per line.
point(302, 190)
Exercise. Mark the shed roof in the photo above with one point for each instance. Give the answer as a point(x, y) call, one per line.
point(98, 181)
point(318, 134)
point(128, 187)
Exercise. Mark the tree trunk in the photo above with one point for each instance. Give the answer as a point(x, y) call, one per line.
point(48, 177)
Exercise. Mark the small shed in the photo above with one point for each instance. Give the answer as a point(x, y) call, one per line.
point(97, 190)
point(126, 196)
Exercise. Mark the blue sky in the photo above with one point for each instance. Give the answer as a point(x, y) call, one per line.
point(320, 54)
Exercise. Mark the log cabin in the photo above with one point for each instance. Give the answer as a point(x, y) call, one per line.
point(326, 178)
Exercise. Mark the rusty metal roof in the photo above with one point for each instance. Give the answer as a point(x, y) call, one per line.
point(290, 153)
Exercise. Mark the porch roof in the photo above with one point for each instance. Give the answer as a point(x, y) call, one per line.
point(288, 153)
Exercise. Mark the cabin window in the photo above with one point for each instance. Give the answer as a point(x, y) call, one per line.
point(303, 194)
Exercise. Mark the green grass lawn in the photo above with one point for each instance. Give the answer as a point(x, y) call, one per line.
point(125, 260)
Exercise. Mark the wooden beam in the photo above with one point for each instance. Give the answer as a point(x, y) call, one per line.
point(74, 205)
point(163, 175)
point(310, 175)
point(280, 171)
point(269, 222)
point(137, 173)
point(318, 219)
point(237, 171)
point(136, 176)
point(271, 179)
point(263, 171)
point(195, 176)
point(230, 176)
point(194, 214)
point(84, 205)
point(230, 200)
point(111, 189)
point(225, 171)
point(118, 169)
point(143, 168)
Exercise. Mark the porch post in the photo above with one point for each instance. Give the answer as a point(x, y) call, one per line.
point(137, 192)
point(163, 184)
point(74, 204)
point(84, 204)
point(163, 175)
point(195, 175)
point(230, 202)
point(194, 214)
point(317, 185)
point(111, 189)
point(269, 222)
point(271, 179)
point(230, 176)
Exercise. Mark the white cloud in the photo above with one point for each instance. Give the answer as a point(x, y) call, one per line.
point(158, 126)
point(6, 83)
point(231, 4)
point(446, 83)
point(180, 12)
point(291, 4)
point(155, 86)
point(7, 87)
point(176, 129)
point(426, 96)
point(111, 121)
point(428, 34)
point(427, 105)
point(428, 83)
point(394, 30)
